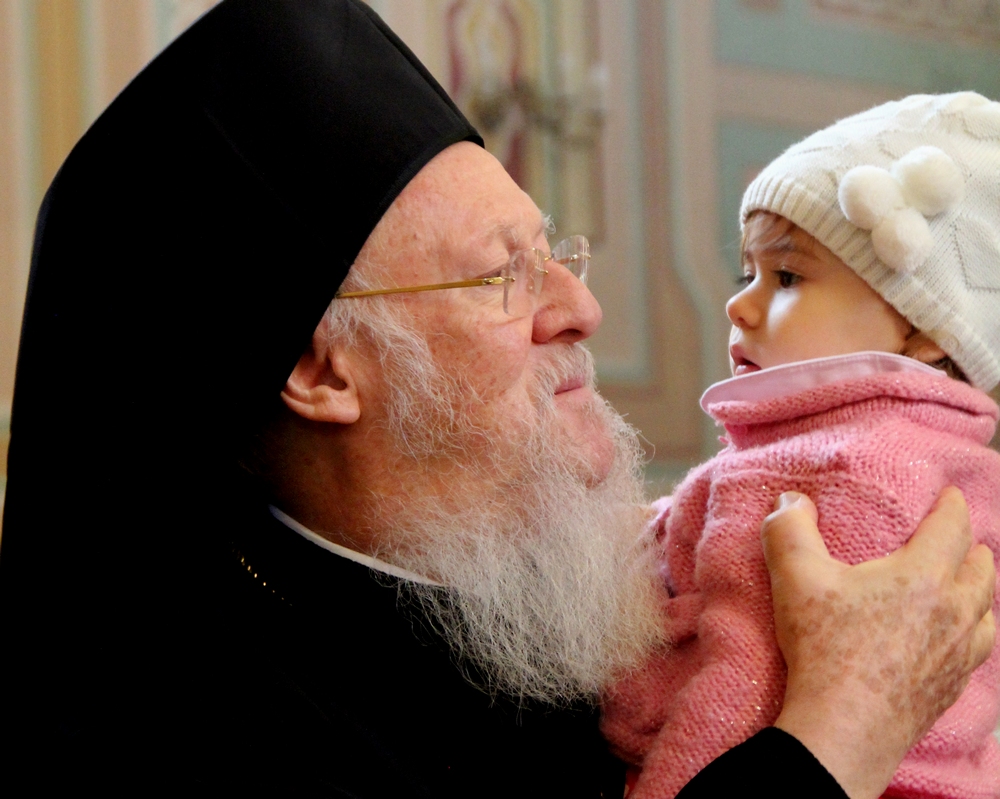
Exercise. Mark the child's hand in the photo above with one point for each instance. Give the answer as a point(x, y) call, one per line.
point(877, 651)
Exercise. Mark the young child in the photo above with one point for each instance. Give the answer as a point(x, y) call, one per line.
point(865, 335)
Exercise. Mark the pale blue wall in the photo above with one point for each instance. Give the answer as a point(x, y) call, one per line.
point(796, 39)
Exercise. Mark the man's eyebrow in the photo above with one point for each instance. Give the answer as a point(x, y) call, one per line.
point(509, 233)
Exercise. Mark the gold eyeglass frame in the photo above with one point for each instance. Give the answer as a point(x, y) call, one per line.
point(463, 284)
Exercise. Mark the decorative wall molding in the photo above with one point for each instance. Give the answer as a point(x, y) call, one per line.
point(806, 101)
point(611, 173)
point(847, 40)
point(537, 96)
point(950, 20)
point(690, 33)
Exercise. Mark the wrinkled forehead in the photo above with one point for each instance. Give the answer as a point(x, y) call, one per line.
point(464, 199)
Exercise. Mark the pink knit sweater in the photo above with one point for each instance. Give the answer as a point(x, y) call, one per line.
point(872, 452)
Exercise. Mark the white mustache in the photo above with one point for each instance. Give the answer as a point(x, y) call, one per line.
point(566, 365)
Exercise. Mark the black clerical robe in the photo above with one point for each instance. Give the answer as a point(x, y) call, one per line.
point(346, 692)
point(269, 666)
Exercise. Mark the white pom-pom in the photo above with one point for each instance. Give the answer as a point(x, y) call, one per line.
point(983, 122)
point(867, 194)
point(964, 101)
point(903, 240)
point(931, 181)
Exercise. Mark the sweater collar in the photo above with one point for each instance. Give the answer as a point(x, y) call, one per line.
point(795, 398)
point(792, 378)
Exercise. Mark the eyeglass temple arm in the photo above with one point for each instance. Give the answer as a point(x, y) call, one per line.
point(462, 284)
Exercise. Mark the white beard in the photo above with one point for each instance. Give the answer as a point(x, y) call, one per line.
point(550, 581)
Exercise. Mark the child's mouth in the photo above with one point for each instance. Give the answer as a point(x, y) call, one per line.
point(741, 364)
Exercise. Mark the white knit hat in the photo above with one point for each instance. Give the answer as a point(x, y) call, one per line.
point(907, 194)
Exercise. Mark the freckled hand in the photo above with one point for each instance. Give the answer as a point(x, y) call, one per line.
point(877, 651)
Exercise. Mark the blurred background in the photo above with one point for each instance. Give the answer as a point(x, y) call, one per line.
point(635, 122)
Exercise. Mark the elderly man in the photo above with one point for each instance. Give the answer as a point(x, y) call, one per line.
point(260, 538)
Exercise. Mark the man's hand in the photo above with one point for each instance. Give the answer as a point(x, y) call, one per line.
point(877, 651)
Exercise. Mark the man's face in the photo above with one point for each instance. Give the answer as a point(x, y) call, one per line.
point(501, 473)
point(460, 218)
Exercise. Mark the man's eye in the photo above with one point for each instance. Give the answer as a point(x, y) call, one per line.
point(787, 279)
point(496, 272)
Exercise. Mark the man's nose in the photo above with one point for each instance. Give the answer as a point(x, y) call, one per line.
point(742, 309)
point(567, 312)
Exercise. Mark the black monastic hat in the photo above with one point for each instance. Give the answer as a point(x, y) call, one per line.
point(183, 256)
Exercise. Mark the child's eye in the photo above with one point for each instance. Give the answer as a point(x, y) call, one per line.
point(744, 280)
point(787, 279)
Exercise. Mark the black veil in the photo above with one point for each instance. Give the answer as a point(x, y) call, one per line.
point(183, 255)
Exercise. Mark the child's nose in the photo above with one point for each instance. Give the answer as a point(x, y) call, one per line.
point(742, 310)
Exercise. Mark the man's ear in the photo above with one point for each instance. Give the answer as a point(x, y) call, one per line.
point(921, 348)
point(322, 386)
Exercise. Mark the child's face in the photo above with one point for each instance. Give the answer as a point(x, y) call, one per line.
point(800, 301)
